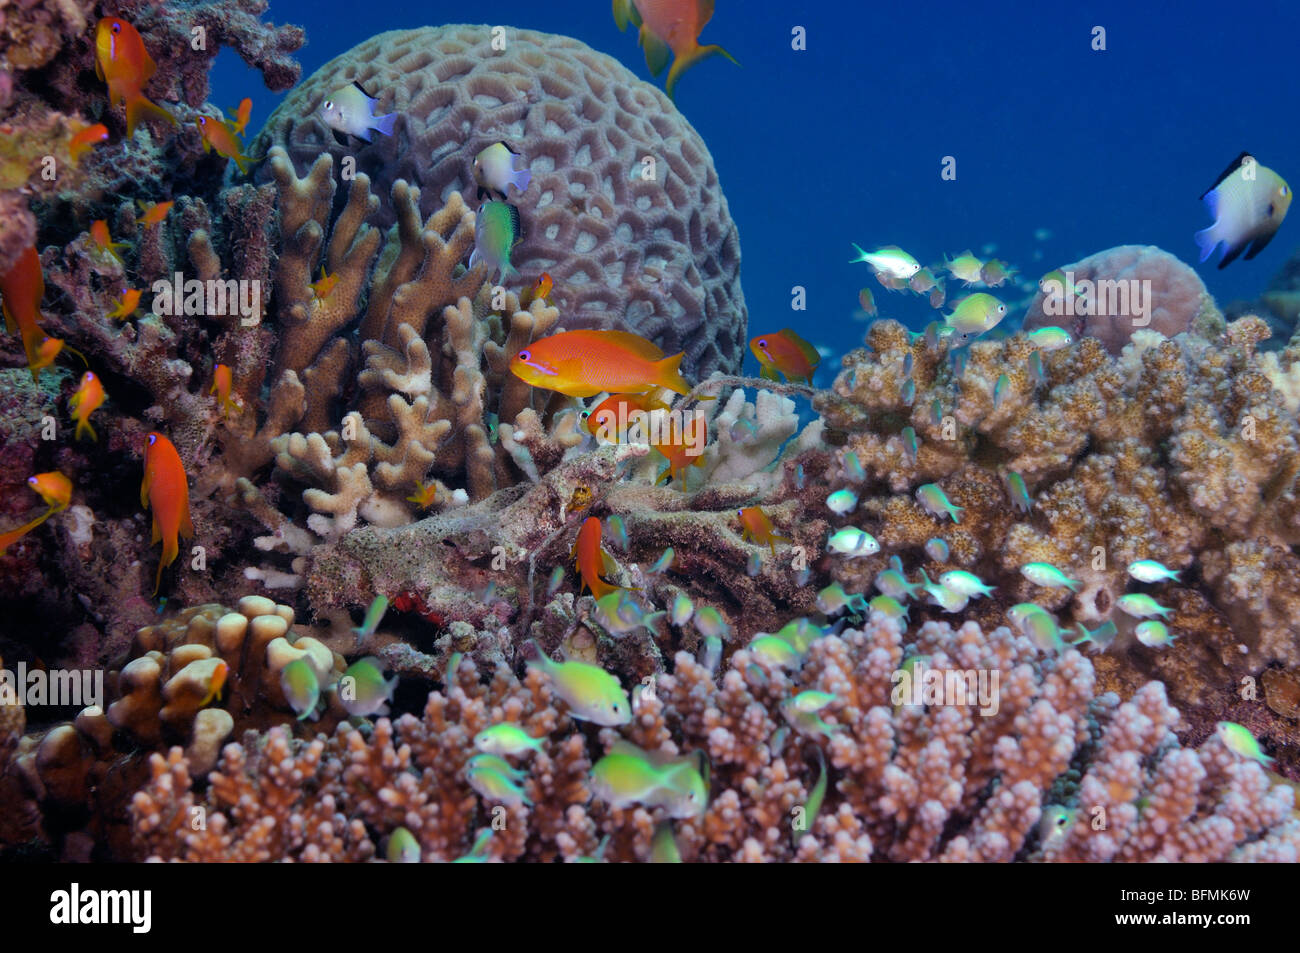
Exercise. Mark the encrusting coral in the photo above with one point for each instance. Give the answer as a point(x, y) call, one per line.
point(906, 781)
point(624, 210)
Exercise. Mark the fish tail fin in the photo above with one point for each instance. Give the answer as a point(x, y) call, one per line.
point(85, 425)
point(688, 59)
point(521, 178)
point(1206, 240)
point(384, 124)
point(955, 511)
point(139, 109)
point(657, 52)
point(668, 374)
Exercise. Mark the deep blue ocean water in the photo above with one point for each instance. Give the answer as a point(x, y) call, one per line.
point(1061, 150)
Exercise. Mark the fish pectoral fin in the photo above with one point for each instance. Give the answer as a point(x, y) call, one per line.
point(769, 373)
point(1259, 244)
point(625, 12)
point(340, 137)
point(657, 52)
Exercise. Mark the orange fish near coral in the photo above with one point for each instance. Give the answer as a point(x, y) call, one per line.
point(322, 286)
point(786, 352)
point(49, 349)
point(22, 288)
point(585, 363)
point(220, 137)
point(240, 121)
point(222, 382)
point(103, 241)
point(592, 561)
point(611, 419)
point(758, 527)
point(538, 292)
point(122, 61)
point(679, 451)
point(86, 139)
point(88, 398)
point(166, 491)
point(670, 26)
point(424, 495)
point(154, 213)
point(126, 306)
point(56, 490)
point(219, 673)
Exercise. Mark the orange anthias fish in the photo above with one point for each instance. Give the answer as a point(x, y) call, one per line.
point(88, 398)
point(240, 116)
point(154, 213)
point(592, 561)
point(585, 363)
point(219, 673)
point(49, 349)
point(122, 61)
point(87, 138)
point(669, 26)
point(678, 451)
point(758, 527)
point(56, 490)
point(323, 285)
point(538, 292)
point(786, 352)
point(222, 382)
point(126, 306)
point(610, 419)
point(218, 136)
point(167, 493)
point(424, 495)
point(22, 288)
point(103, 241)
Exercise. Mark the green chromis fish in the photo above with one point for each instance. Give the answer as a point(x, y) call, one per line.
point(842, 502)
point(1018, 613)
point(937, 549)
point(1043, 631)
point(403, 848)
point(1057, 284)
point(867, 301)
point(922, 282)
point(1148, 570)
point(1241, 742)
point(893, 583)
point(853, 542)
point(943, 597)
point(775, 652)
point(853, 467)
point(301, 688)
point(628, 775)
point(363, 691)
point(833, 599)
point(374, 615)
point(711, 653)
point(495, 763)
point(492, 785)
point(890, 261)
point(910, 443)
point(996, 272)
point(816, 797)
point(453, 666)
point(1140, 606)
point(935, 502)
point(683, 609)
point(1048, 576)
point(936, 412)
point(966, 583)
point(907, 393)
point(974, 315)
point(664, 562)
point(1248, 203)
point(1036, 372)
point(556, 580)
point(811, 701)
point(1050, 338)
point(1154, 634)
point(709, 622)
point(618, 532)
point(800, 634)
point(1055, 824)
point(478, 853)
point(889, 607)
point(591, 693)
point(1101, 637)
point(1000, 390)
point(618, 614)
point(1018, 492)
point(351, 110)
point(507, 738)
point(807, 722)
point(496, 232)
point(965, 267)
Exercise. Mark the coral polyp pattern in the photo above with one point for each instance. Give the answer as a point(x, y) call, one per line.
point(649, 248)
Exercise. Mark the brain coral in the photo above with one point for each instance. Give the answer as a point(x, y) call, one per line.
point(1174, 292)
point(659, 256)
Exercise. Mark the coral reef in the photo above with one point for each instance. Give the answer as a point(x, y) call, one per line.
point(624, 211)
point(907, 781)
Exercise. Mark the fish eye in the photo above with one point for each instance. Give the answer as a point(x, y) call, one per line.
point(153, 437)
point(762, 342)
point(525, 356)
point(31, 480)
point(117, 28)
point(328, 104)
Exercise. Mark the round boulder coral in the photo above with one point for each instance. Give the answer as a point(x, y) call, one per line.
point(1128, 287)
point(624, 209)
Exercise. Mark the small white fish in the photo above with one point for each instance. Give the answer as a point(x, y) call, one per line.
point(853, 542)
point(842, 501)
point(351, 110)
point(1148, 570)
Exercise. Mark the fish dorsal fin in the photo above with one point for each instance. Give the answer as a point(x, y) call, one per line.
point(635, 343)
point(807, 350)
point(509, 148)
point(357, 84)
point(516, 224)
point(630, 750)
point(1232, 167)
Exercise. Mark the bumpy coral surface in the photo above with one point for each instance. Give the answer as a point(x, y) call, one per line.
point(624, 211)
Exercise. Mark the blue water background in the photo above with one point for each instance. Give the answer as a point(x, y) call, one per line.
point(843, 142)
